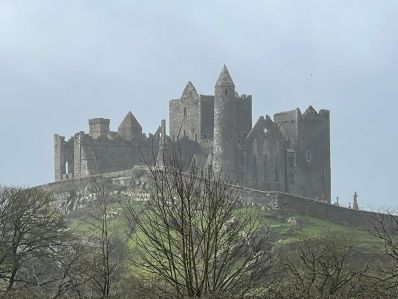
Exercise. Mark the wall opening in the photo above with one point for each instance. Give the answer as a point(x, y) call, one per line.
point(185, 111)
point(308, 156)
point(265, 168)
point(291, 162)
point(255, 167)
point(67, 167)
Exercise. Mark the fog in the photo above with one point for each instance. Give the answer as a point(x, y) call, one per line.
point(63, 62)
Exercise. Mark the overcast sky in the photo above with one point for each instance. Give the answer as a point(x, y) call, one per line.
point(63, 62)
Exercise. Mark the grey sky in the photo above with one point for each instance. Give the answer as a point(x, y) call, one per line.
point(63, 62)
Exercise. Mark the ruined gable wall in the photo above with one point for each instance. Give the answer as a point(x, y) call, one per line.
point(287, 123)
point(265, 159)
point(184, 118)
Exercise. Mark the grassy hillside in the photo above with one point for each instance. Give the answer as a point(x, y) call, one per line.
point(287, 231)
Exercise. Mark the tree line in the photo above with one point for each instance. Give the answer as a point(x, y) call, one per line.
point(192, 238)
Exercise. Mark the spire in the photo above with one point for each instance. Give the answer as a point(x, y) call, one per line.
point(129, 122)
point(225, 78)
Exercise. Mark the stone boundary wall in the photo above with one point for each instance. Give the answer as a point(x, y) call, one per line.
point(291, 204)
point(286, 205)
point(72, 194)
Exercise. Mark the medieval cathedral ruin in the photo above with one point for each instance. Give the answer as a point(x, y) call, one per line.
point(289, 153)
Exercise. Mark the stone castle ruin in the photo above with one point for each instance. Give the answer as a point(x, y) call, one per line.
point(289, 153)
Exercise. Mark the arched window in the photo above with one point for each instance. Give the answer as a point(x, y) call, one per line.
point(67, 167)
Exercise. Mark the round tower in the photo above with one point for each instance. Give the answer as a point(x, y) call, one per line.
point(224, 159)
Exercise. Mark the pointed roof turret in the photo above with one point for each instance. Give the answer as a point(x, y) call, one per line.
point(129, 122)
point(225, 78)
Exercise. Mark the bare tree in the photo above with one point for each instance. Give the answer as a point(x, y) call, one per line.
point(31, 228)
point(323, 268)
point(385, 227)
point(106, 252)
point(194, 234)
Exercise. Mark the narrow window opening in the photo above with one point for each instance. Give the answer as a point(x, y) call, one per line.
point(226, 92)
point(255, 167)
point(308, 156)
point(265, 168)
point(196, 137)
point(185, 111)
point(291, 162)
point(184, 132)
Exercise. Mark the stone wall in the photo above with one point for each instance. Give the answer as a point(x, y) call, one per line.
point(313, 155)
point(291, 204)
point(74, 194)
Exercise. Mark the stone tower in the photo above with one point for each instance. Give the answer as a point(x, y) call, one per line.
point(225, 136)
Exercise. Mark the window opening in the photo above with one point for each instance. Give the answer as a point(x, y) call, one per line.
point(308, 156)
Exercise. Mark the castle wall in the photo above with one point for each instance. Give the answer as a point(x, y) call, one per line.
point(313, 155)
point(63, 158)
point(184, 118)
point(291, 205)
point(206, 117)
point(102, 155)
point(75, 194)
point(243, 115)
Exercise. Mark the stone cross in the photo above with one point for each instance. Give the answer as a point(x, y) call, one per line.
point(355, 203)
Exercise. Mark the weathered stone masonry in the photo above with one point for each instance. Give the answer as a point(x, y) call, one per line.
point(289, 153)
